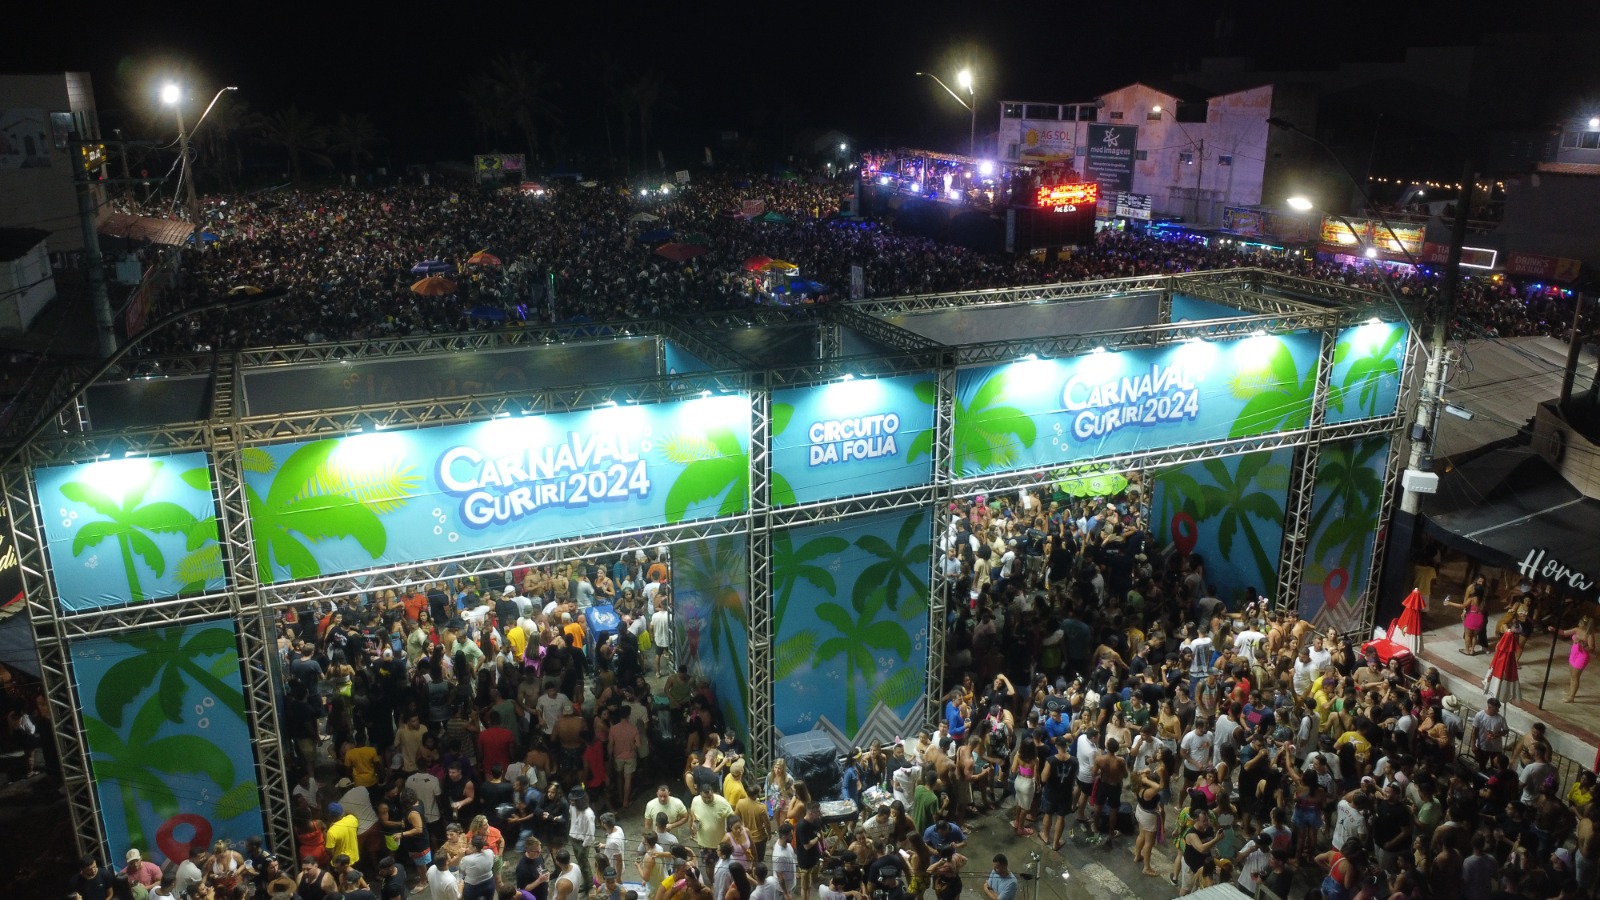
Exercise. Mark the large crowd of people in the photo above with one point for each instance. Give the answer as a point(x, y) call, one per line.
point(346, 257)
point(475, 740)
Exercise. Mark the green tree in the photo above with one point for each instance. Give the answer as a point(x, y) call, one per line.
point(485, 107)
point(643, 95)
point(523, 86)
point(1367, 372)
point(1235, 499)
point(790, 566)
point(310, 501)
point(137, 765)
point(988, 436)
point(716, 466)
point(164, 659)
point(130, 523)
point(1283, 403)
point(899, 568)
point(354, 137)
point(298, 134)
point(857, 637)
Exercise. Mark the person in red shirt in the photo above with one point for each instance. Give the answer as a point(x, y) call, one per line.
point(416, 603)
point(495, 743)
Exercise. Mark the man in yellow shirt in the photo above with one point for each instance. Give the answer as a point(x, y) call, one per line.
point(518, 639)
point(362, 761)
point(344, 834)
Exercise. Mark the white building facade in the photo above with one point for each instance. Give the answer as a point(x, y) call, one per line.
point(37, 114)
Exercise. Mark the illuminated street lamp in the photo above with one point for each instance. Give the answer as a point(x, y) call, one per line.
point(964, 79)
point(172, 95)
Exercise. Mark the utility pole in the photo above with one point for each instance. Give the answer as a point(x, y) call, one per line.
point(94, 265)
point(1199, 171)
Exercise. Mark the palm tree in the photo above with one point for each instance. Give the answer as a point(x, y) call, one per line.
point(1283, 402)
point(644, 94)
point(857, 637)
point(218, 138)
point(989, 436)
point(484, 108)
point(1234, 500)
point(131, 523)
point(901, 566)
point(298, 134)
point(717, 571)
point(137, 766)
point(523, 86)
point(790, 566)
point(354, 135)
point(1367, 372)
point(164, 658)
point(718, 465)
point(311, 499)
point(612, 100)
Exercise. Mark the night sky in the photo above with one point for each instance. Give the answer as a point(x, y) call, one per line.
point(769, 70)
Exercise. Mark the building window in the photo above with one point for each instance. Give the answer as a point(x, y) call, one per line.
point(1116, 115)
point(1042, 112)
point(1224, 159)
point(1141, 155)
point(1012, 153)
point(62, 125)
point(1569, 140)
point(1088, 113)
point(1186, 157)
point(1011, 110)
point(1590, 140)
point(1154, 115)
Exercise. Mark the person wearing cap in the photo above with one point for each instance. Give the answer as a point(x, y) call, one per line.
point(344, 833)
point(140, 870)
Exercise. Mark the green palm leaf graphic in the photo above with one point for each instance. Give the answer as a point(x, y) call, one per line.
point(900, 688)
point(1284, 403)
point(922, 445)
point(988, 436)
point(254, 459)
point(792, 653)
point(857, 636)
point(725, 474)
point(162, 653)
point(899, 568)
point(131, 522)
point(310, 501)
point(380, 488)
point(792, 565)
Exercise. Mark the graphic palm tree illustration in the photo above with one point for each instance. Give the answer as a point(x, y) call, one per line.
point(791, 565)
point(1283, 402)
point(988, 436)
point(1235, 499)
point(130, 523)
point(900, 568)
point(310, 501)
point(857, 638)
point(782, 491)
point(166, 657)
point(1367, 372)
point(1348, 472)
point(138, 763)
point(718, 465)
point(715, 569)
point(202, 564)
point(1181, 492)
point(922, 445)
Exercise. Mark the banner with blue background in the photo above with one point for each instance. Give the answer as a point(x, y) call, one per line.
point(1043, 412)
point(124, 531)
point(395, 497)
point(851, 437)
point(164, 725)
point(1364, 382)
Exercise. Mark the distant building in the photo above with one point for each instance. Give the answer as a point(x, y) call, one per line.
point(38, 113)
point(27, 281)
point(1194, 156)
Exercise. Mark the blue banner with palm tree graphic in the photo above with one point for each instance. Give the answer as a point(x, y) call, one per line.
point(1230, 511)
point(395, 497)
point(711, 593)
point(850, 625)
point(1343, 529)
point(1041, 412)
point(850, 437)
point(1365, 380)
point(129, 530)
point(164, 723)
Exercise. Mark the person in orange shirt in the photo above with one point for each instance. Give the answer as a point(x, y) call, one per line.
point(416, 603)
point(573, 627)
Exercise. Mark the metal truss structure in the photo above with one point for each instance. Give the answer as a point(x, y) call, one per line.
point(1303, 487)
point(251, 599)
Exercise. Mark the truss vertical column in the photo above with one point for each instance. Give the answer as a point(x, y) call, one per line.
point(1303, 487)
point(1391, 483)
point(827, 339)
point(760, 607)
point(257, 642)
point(55, 669)
point(661, 355)
point(939, 586)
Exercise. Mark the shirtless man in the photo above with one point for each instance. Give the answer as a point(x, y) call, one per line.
point(1110, 771)
point(570, 743)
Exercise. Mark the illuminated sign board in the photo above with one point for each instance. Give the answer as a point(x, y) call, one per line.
point(1068, 197)
point(1370, 233)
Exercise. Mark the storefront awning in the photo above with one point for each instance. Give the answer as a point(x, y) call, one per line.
point(1511, 509)
point(146, 228)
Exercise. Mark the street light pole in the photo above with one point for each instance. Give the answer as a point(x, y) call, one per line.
point(172, 95)
point(965, 79)
point(1200, 157)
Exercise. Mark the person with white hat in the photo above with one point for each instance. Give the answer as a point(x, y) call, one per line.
point(140, 870)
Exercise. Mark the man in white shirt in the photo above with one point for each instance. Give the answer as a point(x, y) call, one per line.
point(188, 872)
point(1244, 643)
point(661, 636)
point(613, 847)
point(427, 789)
point(442, 883)
point(477, 871)
point(1200, 665)
point(1195, 748)
point(1320, 656)
point(767, 886)
point(1305, 672)
point(551, 705)
point(783, 860)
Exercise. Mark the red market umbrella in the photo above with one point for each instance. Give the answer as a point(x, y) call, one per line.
point(756, 263)
point(1501, 682)
point(1408, 631)
point(680, 252)
point(434, 286)
point(483, 258)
